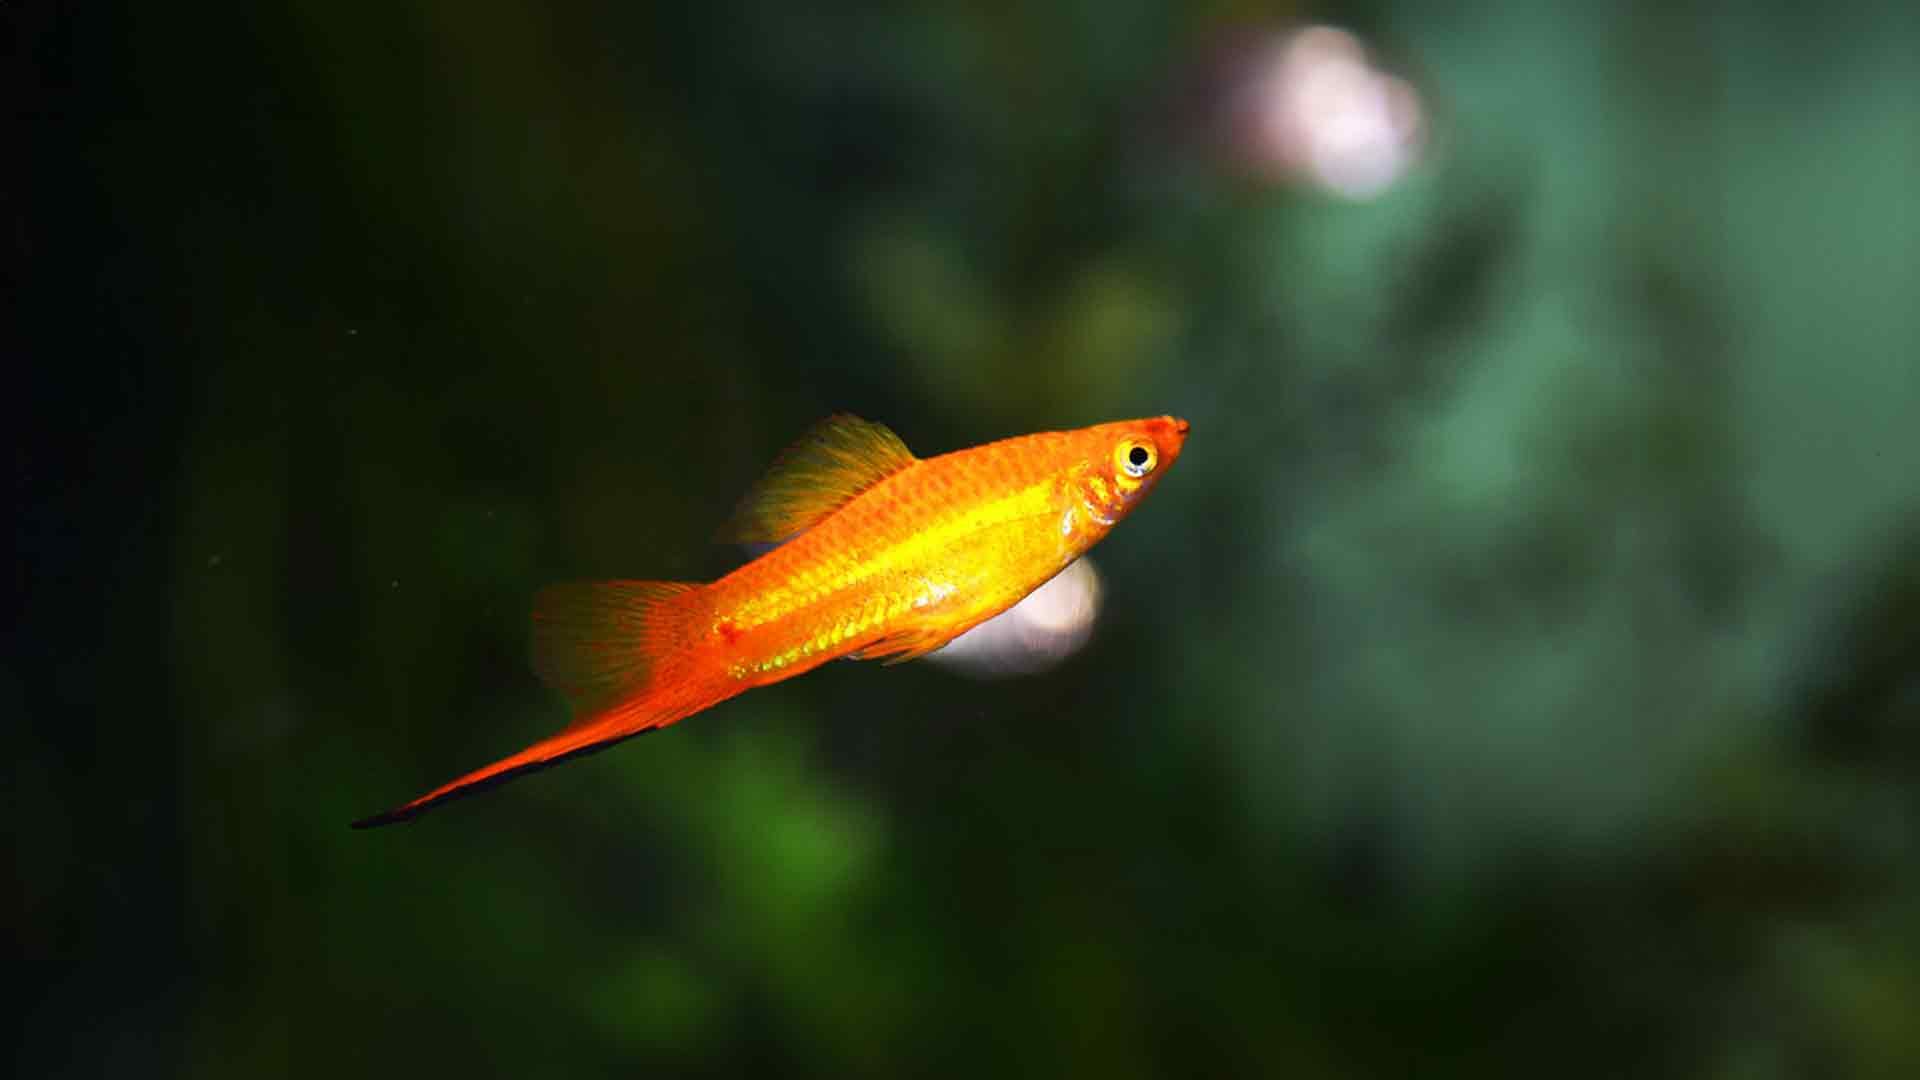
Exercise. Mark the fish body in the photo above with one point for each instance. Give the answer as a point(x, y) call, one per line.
point(882, 555)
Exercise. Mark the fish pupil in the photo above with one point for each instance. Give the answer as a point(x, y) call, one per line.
point(1137, 457)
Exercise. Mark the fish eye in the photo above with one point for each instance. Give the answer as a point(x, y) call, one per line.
point(1135, 459)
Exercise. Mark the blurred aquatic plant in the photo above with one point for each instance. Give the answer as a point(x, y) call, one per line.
point(1519, 682)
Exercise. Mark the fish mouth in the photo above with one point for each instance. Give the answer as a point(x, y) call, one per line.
point(1171, 436)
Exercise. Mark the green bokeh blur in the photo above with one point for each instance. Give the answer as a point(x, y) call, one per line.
point(1518, 675)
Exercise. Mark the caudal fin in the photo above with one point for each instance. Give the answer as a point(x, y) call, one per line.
point(619, 651)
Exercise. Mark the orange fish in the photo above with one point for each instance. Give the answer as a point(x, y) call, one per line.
point(882, 555)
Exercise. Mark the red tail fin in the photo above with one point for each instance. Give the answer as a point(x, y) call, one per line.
point(619, 651)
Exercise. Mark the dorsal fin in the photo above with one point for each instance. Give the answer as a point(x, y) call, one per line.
point(840, 458)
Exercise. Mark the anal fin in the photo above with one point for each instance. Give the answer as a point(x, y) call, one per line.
point(902, 646)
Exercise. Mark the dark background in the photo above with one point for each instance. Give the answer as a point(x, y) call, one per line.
point(1517, 675)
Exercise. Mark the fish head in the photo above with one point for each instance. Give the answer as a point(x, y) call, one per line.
point(1121, 462)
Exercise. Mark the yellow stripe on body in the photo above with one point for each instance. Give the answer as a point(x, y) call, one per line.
point(831, 586)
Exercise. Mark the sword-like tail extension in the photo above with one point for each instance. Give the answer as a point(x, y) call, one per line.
point(625, 655)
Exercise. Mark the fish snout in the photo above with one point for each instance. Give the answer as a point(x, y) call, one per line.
point(1169, 435)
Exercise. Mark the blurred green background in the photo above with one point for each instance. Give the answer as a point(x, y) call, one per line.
point(1519, 674)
